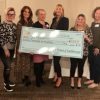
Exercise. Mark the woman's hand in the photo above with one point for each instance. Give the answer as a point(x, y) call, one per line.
point(7, 53)
point(85, 36)
point(87, 39)
point(96, 51)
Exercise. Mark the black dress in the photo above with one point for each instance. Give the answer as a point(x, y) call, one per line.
point(39, 67)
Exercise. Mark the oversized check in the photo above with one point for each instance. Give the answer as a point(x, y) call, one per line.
point(51, 42)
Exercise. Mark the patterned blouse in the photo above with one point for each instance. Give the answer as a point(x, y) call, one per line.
point(87, 32)
point(8, 35)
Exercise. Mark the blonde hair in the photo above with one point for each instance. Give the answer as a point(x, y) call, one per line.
point(59, 5)
point(80, 15)
point(9, 9)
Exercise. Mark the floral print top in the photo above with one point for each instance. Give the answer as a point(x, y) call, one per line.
point(87, 32)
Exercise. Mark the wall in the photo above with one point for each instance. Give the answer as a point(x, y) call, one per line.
point(72, 7)
point(2, 7)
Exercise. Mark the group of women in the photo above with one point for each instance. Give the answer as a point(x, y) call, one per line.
point(10, 40)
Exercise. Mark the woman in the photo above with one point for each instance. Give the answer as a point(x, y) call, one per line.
point(59, 22)
point(23, 63)
point(39, 60)
point(80, 25)
point(94, 51)
point(7, 45)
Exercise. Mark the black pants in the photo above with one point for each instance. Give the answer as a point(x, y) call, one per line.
point(75, 62)
point(7, 64)
point(38, 70)
point(91, 62)
point(94, 62)
point(57, 67)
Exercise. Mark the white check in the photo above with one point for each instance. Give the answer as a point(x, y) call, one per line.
point(51, 42)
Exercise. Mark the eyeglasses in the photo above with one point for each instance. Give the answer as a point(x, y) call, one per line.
point(10, 14)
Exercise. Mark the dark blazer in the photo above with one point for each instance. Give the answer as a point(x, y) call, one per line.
point(96, 34)
point(63, 23)
point(39, 25)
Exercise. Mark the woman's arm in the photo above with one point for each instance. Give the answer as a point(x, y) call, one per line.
point(3, 40)
point(88, 36)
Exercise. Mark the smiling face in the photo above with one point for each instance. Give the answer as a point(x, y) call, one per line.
point(97, 15)
point(10, 16)
point(80, 21)
point(26, 13)
point(59, 11)
point(41, 15)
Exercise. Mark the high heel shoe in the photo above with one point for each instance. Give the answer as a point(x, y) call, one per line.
point(42, 81)
point(72, 87)
point(26, 81)
point(79, 86)
point(58, 83)
point(38, 83)
point(79, 83)
point(72, 83)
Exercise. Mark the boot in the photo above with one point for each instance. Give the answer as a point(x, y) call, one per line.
point(38, 83)
point(41, 73)
point(42, 81)
point(26, 81)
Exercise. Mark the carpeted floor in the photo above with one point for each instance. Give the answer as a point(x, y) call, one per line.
point(48, 92)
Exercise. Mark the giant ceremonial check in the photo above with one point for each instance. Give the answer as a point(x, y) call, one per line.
point(51, 42)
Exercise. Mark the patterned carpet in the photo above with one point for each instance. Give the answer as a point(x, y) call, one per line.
point(48, 92)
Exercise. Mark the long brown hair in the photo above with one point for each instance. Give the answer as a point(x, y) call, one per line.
point(22, 17)
point(93, 13)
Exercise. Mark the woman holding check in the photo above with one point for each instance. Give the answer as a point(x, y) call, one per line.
point(39, 60)
point(59, 22)
point(80, 25)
